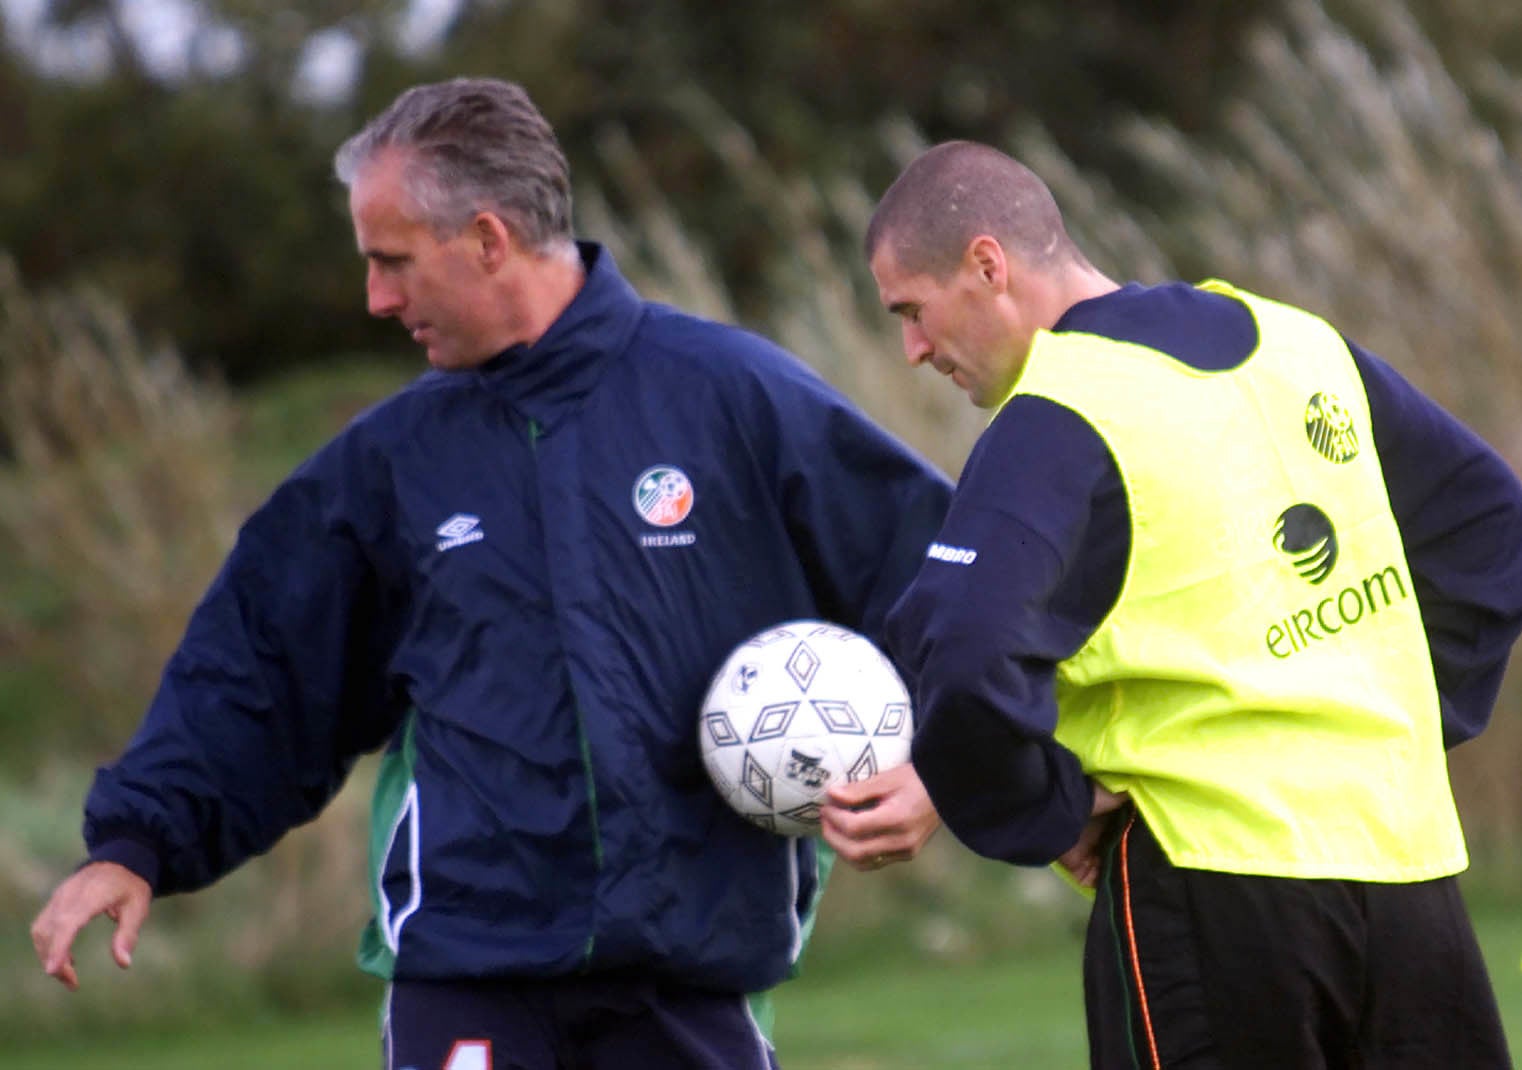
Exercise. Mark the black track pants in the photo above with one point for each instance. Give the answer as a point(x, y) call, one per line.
point(1195, 970)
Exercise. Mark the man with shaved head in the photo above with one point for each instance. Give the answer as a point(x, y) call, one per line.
point(958, 190)
point(1216, 589)
point(963, 199)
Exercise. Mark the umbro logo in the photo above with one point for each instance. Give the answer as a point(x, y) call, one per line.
point(955, 555)
point(458, 530)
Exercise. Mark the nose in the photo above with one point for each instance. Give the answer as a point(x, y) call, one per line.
point(917, 347)
point(383, 297)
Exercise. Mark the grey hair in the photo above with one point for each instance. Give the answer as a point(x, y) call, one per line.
point(473, 144)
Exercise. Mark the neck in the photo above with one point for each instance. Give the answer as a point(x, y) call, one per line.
point(1083, 283)
point(539, 293)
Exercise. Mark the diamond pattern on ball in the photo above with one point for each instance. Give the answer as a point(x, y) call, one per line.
point(772, 721)
point(802, 666)
point(807, 814)
point(839, 718)
point(720, 730)
point(768, 637)
point(756, 780)
point(864, 766)
point(766, 821)
point(894, 716)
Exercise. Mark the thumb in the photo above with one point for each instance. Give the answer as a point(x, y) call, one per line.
point(853, 793)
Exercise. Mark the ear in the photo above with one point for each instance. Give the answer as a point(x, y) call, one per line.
point(985, 257)
point(495, 242)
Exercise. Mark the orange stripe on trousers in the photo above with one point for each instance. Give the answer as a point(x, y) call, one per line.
point(1136, 971)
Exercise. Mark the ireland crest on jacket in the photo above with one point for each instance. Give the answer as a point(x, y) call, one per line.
point(663, 495)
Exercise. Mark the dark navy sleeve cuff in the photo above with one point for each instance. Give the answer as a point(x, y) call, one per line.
point(141, 858)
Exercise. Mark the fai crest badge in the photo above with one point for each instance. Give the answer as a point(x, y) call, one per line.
point(1329, 426)
point(663, 496)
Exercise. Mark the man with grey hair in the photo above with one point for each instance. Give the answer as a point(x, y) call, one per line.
point(1216, 588)
point(518, 575)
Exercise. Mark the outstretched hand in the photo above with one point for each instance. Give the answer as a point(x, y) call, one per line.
point(884, 819)
point(1082, 860)
point(99, 888)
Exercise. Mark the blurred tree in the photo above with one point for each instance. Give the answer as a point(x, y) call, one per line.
point(1479, 42)
point(205, 200)
point(206, 204)
point(813, 84)
point(102, 19)
point(212, 216)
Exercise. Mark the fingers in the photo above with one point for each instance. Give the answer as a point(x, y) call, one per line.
point(1082, 861)
point(129, 922)
point(869, 826)
point(1106, 801)
point(860, 795)
point(869, 856)
point(1084, 870)
point(863, 794)
point(99, 888)
point(862, 844)
point(53, 936)
point(65, 973)
point(876, 822)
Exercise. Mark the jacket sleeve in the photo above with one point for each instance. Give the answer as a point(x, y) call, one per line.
point(861, 507)
point(1028, 568)
point(1459, 509)
point(275, 689)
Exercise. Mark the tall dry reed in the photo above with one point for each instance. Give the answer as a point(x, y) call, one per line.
point(117, 501)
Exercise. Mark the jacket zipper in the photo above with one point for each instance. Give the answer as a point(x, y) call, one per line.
point(535, 431)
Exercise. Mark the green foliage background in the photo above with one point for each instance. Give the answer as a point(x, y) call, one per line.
point(205, 203)
point(181, 319)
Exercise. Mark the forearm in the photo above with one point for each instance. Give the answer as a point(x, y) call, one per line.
point(1015, 797)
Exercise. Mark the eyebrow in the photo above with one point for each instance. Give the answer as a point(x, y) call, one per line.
point(898, 308)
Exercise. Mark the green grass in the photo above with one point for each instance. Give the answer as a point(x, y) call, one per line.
point(859, 1014)
point(1009, 1011)
point(340, 1041)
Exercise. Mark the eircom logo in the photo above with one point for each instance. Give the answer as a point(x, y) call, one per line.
point(1307, 536)
point(663, 495)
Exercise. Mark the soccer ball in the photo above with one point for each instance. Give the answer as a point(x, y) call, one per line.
point(795, 710)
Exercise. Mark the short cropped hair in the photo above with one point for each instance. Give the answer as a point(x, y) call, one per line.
point(474, 144)
point(956, 191)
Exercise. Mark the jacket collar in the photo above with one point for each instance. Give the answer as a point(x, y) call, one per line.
point(547, 380)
